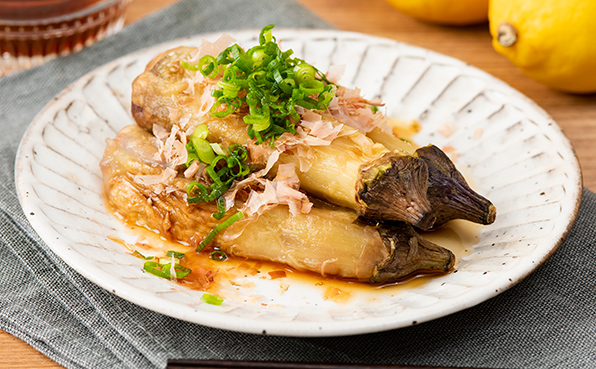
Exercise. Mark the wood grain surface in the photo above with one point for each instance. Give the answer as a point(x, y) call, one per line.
point(576, 114)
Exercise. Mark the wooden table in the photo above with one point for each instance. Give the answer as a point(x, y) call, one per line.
point(575, 114)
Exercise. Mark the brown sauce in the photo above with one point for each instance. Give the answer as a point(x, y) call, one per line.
point(238, 276)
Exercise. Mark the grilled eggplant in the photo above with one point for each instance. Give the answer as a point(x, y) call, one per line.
point(334, 242)
point(351, 171)
point(329, 241)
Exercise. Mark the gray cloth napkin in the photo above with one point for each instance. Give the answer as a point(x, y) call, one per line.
point(547, 320)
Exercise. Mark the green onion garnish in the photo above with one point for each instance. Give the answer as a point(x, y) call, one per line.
point(175, 254)
point(200, 132)
point(221, 208)
point(141, 256)
point(207, 66)
point(218, 149)
point(218, 255)
point(163, 270)
point(211, 299)
point(269, 82)
point(203, 150)
point(218, 228)
point(223, 169)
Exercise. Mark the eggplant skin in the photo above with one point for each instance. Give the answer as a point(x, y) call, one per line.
point(159, 87)
point(410, 255)
point(448, 192)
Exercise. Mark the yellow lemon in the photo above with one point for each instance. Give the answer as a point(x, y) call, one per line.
point(551, 41)
point(450, 12)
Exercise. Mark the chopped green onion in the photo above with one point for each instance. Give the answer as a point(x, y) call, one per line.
point(304, 72)
point(163, 270)
point(236, 51)
point(141, 256)
point(213, 174)
point(177, 255)
point(269, 82)
point(266, 35)
point(192, 156)
point(258, 122)
point(326, 96)
point(208, 66)
point(202, 131)
point(229, 89)
point(312, 87)
point(203, 149)
point(211, 299)
point(241, 169)
point(192, 67)
point(238, 151)
point(217, 149)
point(218, 255)
point(222, 170)
point(258, 56)
point(221, 208)
point(218, 228)
point(197, 192)
point(230, 106)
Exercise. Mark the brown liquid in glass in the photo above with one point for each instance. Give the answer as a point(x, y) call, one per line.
point(39, 28)
point(24, 10)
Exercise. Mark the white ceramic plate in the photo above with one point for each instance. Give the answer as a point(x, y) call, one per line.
point(515, 153)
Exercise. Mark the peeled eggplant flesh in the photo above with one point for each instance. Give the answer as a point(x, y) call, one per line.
point(337, 171)
point(334, 242)
point(328, 241)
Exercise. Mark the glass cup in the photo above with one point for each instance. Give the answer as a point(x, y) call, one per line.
point(34, 31)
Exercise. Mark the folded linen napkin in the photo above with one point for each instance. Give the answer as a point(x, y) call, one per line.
point(544, 321)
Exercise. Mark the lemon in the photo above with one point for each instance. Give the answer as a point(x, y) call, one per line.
point(551, 41)
point(449, 12)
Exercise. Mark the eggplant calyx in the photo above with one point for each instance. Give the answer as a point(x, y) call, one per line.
point(410, 255)
point(448, 192)
point(393, 188)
